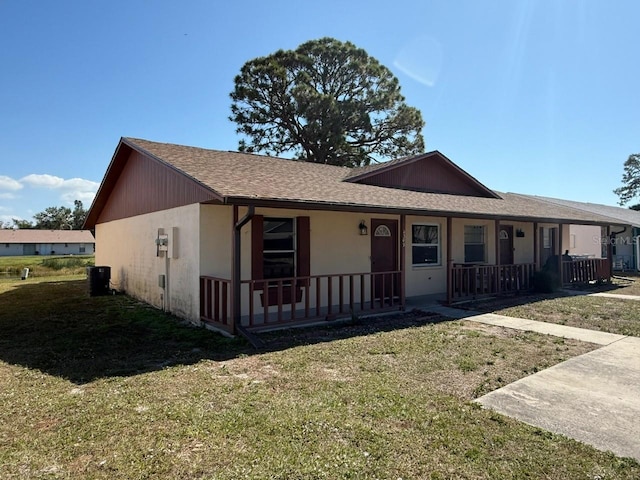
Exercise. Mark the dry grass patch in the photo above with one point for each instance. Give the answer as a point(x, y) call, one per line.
point(362, 401)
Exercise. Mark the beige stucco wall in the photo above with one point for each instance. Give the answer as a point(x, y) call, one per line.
point(216, 223)
point(585, 240)
point(204, 243)
point(128, 247)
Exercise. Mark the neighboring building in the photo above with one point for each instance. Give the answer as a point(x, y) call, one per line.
point(46, 242)
point(592, 241)
point(241, 241)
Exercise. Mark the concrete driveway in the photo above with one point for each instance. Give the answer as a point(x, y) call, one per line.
point(593, 398)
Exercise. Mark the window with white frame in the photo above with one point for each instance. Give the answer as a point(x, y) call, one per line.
point(425, 244)
point(474, 244)
point(279, 248)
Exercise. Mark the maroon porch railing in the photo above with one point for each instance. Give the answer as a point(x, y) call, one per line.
point(299, 299)
point(215, 302)
point(586, 270)
point(314, 297)
point(473, 281)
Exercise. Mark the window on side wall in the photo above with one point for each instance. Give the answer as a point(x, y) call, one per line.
point(278, 251)
point(474, 244)
point(425, 244)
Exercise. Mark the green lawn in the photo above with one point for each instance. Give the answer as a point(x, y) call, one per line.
point(611, 315)
point(105, 387)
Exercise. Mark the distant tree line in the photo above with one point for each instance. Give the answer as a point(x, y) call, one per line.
point(53, 218)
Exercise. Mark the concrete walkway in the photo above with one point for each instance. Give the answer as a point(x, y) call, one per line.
point(615, 295)
point(582, 334)
point(593, 398)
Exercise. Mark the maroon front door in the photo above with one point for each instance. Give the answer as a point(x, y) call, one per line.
point(384, 258)
point(506, 244)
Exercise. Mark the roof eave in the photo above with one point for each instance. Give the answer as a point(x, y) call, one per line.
point(359, 208)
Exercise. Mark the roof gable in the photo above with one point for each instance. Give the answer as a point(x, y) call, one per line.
point(430, 172)
point(139, 182)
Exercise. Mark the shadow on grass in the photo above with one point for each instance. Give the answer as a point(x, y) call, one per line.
point(282, 339)
point(57, 328)
point(488, 305)
point(492, 304)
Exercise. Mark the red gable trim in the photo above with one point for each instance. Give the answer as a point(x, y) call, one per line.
point(406, 174)
point(138, 182)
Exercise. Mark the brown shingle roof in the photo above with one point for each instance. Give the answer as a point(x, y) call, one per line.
point(45, 236)
point(242, 178)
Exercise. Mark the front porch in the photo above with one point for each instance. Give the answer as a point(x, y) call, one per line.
point(299, 300)
point(274, 286)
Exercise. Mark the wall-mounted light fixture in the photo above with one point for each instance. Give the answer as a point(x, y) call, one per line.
point(520, 233)
point(363, 228)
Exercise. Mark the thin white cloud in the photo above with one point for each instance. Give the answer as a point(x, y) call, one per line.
point(8, 196)
point(8, 183)
point(421, 59)
point(56, 183)
point(80, 184)
point(43, 181)
point(70, 189)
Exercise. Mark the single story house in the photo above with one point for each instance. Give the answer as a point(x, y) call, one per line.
point(46, 242)
point(241, 241)
point(584, 240)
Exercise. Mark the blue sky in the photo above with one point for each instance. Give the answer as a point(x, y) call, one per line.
point(536, 97)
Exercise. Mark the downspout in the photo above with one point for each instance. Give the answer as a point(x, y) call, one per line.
point(449, 263)
point(236, 276)
point(610, 251)
point(497, 261)
point(560, 265)
point(403, 242)
point(536, 249)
